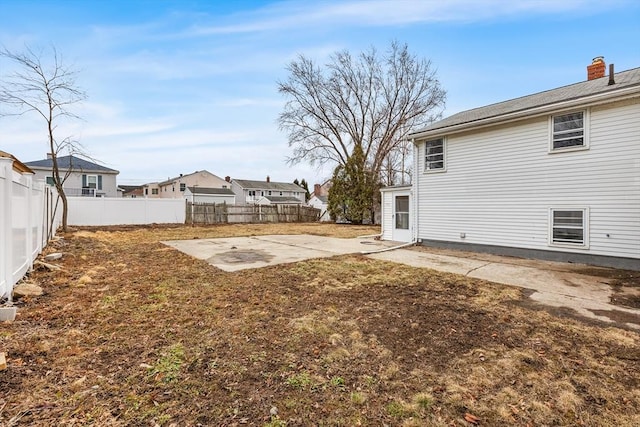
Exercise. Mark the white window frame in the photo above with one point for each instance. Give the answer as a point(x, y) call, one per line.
point(444, 156)
point(585, 132)
point(585, 227)
point(89, 185)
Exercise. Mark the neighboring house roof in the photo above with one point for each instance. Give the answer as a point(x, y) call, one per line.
point(282, 199)
point(71, 162)
point(127, 188)
point(626, 82)
point(18, 166)
point(264, 185)
point(170, 180)
point(207, 190)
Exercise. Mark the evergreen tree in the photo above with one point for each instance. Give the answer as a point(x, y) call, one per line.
point(352, 194)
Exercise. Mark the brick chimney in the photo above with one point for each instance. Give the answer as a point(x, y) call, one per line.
point(317, 189)
point(597, 68)
point(268, 178)
point(227, 178)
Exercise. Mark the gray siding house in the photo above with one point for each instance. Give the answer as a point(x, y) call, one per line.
point(85, 178)
point(267, 192)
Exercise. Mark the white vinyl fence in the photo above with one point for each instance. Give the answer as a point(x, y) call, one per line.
point(125, 211)
point(26, 216)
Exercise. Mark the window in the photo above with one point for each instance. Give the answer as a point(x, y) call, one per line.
point(252, 193)
point(146, 191)
point(402, 212)
point(569, 227)
point(568, 131)
point(183, 186)
point(434, 155)
point(92, 181)
point(154, 191)
point(50, 181)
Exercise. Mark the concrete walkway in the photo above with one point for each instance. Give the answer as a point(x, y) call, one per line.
point(581, 288)
point(553, 284)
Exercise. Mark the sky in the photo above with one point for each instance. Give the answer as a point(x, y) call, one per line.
point(178, 86)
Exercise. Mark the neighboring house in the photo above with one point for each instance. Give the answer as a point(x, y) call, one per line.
point(210, 195)
point(320, 200)
point(151, 190)
point(267, 192)
point(174, 188)
point(86, 178)
point(322, 203)
point(554, 175)
point(131, 191)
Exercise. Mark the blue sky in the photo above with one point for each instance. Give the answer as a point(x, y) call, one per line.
point(179, 86)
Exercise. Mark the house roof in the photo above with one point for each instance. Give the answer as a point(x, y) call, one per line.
point(207, 190)
point(264, 185)
point(18, 166)
point(282, 199)
point(580, 93)
point(127, 188)
point(323, 199)
point(71, 162)
point(170, 180)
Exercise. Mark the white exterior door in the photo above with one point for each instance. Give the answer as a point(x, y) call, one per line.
point(401, 218)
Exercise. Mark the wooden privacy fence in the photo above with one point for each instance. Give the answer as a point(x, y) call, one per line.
point(208, 213)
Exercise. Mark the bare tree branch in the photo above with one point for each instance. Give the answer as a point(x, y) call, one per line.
point(371, 101)
point(47, 90)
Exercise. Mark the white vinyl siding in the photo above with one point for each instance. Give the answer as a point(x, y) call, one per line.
point(501, 182)
point(387, 215)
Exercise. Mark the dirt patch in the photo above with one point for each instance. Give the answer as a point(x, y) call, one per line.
point(159, 338)
point(241, 256)
point(626, 289)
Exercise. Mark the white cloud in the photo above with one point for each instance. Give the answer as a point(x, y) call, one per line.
point(302, 14)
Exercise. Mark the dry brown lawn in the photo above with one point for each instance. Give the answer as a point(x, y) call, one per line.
point(134, 333)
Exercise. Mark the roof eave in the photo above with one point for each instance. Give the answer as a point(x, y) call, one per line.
point(592, 100)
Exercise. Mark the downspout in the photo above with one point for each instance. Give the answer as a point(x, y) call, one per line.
point(377, 251)
point(414, 189)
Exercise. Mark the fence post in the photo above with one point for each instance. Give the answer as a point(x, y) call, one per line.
point(29, 233)
point(6, 242)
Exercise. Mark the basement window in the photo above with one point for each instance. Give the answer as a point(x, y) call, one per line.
point(569, 227)
point(568, 131)
point(434, 155)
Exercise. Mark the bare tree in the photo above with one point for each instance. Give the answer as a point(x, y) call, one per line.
point(48, 90)
point(396, 167)
point(370, 101)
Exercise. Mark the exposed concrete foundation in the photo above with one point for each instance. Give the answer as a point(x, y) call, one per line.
point(571, 257)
